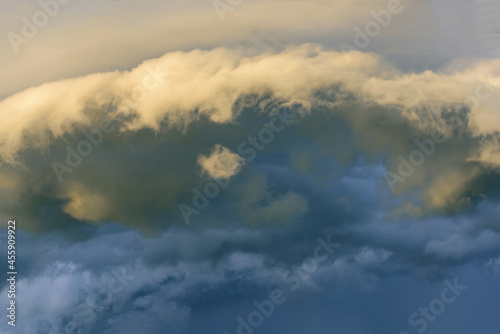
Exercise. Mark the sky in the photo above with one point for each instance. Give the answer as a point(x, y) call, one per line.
point(251, 166)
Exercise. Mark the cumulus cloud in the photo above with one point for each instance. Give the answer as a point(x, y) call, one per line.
point(221, 163)
point(168, 116)
point(107, 128)
point(182, 111)
point(181, 87)
point(176, 277)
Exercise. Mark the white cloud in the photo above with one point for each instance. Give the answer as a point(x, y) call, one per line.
point(221, 163)
point(211, 81)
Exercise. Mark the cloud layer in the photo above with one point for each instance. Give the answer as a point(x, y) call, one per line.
point(173, 166)
point(67, 145)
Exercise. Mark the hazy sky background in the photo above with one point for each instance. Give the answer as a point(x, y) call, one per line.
point(184, 92)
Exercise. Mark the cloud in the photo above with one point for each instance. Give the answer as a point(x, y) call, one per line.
point(186, 86)
point(113, 43)
point(221, 163)
point(176, 278)
point(109, 122)
point(171, 115)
